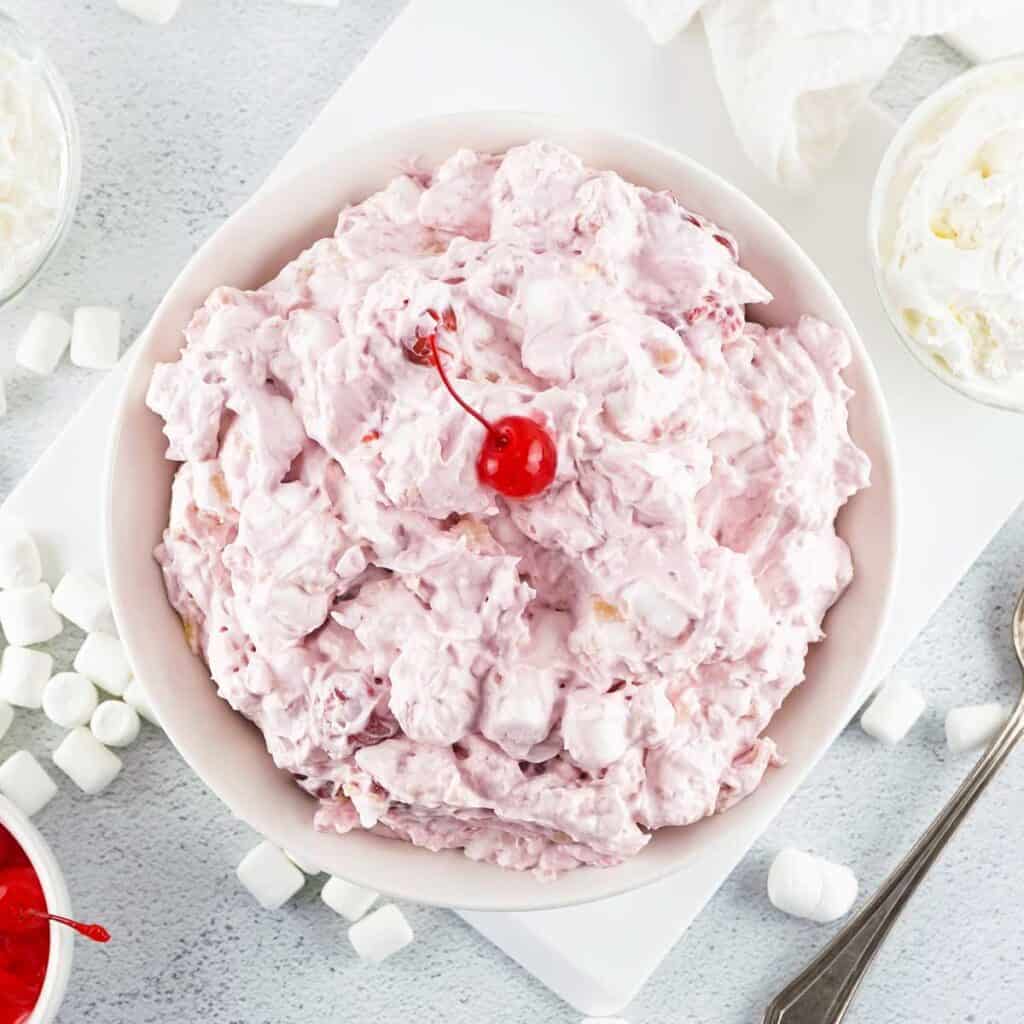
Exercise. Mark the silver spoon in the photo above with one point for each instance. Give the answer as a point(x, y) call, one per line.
point(823, 992)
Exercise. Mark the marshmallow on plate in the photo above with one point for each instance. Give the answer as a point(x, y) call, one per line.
point(43, 343)
point(156, 12)
point(135, 696)
point(96, 337)
point(23, 676)
point(892, 712)
point(101, 658)
point(305, 866)
point(351, 901)
point(89, 765)
point(270, 876)
point(24, 782)
point(381, 934)
point(69, 700)
point(807, 886)
point(83, 601)
point(20, 565)
point(970, 728)
point(27, 615)
point(115, 724)
point(6, 717)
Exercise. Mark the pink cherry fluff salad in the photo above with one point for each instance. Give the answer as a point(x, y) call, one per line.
point(541, 683)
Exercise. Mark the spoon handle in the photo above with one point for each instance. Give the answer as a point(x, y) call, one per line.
point(823, 992)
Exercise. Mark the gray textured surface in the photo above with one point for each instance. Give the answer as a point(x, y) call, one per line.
point(180, 124)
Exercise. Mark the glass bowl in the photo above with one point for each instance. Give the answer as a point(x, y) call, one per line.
point(15, 36)
point(937, 112)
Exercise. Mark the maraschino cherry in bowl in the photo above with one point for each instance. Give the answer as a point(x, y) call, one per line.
point(373, 422)
point(36, 934)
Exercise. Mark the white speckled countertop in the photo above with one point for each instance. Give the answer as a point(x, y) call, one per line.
point(181, 124)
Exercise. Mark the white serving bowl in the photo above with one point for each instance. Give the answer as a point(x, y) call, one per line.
point(55, 891)
point(229, 754)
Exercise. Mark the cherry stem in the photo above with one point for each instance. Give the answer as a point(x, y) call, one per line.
point(95, 932)
point(448, 384)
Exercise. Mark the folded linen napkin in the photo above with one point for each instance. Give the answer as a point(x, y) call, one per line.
point(794, 72)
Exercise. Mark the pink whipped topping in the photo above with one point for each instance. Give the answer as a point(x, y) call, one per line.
point(540, 683)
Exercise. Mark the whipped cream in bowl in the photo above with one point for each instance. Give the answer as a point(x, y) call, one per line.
point(947, 233)
point(446, 681)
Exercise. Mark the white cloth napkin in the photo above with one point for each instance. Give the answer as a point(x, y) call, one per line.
point(794, 72)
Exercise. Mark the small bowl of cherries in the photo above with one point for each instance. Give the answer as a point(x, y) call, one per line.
point(36, 931)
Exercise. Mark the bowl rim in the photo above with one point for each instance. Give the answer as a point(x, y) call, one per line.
point(71, 179)
point(899, 145)
point(55, 891)
point(530, 125)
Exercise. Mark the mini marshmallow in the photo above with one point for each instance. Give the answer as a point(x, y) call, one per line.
point(115, 724)
point(101, 658)
point(156, 12)
point(96, 337)
point(351, 901)
point(20, 565)
point(23, 676)
point(27, 615)
point(24, 782)
point(83, 601)
point(270, 876)
point(69, 700)
point(89, 765)
point(892, 712)
point(43, 343)
point(135, 696)
point(381, 934)
point(305, 866)
point(795, 883)
point(838, 892)
point(811, 887)
point(6, 717)
point(970, 728)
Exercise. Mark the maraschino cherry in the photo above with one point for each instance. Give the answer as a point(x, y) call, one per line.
point(518, 457)
point(20, 895)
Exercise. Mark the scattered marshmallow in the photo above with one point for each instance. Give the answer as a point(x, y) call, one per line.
point(69, 700)
point(6, 717)
point(305, 866)
point(270, 876)
point(892, 712)
point(101, 658)
point(89, 765)
point(970, 728)
point(20, 565)
point(27, 616)
point(156, 12)
point(806, 886)
point(24, 674)
point(43, 343)
point(351, 901)
point(136, 697)
point(96, 337)
point(115, 724)
point(83, 601)
point(23, 780)
point(380, 935)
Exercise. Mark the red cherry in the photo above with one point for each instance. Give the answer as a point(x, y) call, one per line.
point(518, 458)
